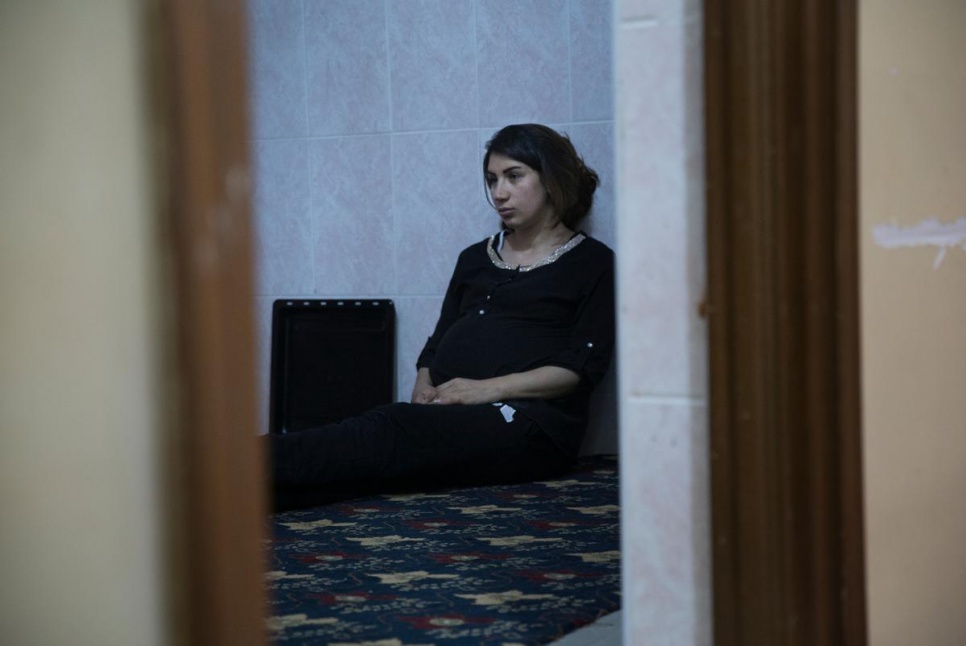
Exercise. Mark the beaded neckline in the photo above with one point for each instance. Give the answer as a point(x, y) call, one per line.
point(552, 257)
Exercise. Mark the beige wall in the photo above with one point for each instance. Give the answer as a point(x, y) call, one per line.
point(913, 196)
point(79, 540)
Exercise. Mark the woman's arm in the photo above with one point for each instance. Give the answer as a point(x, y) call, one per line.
point(545, 382)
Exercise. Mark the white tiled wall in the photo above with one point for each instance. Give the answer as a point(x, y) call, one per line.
point(369, 120)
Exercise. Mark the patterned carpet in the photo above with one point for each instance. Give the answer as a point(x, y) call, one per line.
point(516, 564)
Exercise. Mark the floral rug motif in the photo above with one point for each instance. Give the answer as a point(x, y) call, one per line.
point(508, 565)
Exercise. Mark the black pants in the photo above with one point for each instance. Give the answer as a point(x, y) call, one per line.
point(403, 447)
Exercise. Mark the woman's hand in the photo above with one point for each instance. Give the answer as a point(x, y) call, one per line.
point(423, 391)
point(467, 391)
point(540, 383)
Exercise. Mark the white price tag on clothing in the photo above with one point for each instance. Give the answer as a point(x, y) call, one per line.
point(507, 411)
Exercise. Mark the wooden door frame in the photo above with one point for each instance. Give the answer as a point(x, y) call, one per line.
point(215, 471)
point(782, 215)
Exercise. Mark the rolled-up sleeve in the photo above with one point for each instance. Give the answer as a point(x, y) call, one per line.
point(591, 345)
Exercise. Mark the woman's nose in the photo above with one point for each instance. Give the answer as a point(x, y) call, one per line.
point(499, 191)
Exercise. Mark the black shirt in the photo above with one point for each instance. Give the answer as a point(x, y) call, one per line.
point(497, 321)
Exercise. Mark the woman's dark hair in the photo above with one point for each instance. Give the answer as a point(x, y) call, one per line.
point(569, 182)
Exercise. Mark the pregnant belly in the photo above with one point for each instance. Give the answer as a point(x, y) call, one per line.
point(480, 347)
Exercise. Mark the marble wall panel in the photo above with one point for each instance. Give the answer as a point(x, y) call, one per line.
point(284, 240)
point(433, 65)
point(661, 215)
point(653, 96)
point(277, 68)
point(666, 337)
point(352, 207)
point(665, 514)
point(591, 45)
point(524, 61)
point(347, 67)
point(663, 368)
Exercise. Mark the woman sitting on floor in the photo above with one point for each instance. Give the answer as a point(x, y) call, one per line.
point(525, 333)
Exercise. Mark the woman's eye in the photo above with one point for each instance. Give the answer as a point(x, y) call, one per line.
point(514, 176)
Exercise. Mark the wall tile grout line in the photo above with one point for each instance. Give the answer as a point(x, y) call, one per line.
point(588, 122)
point(669, 400)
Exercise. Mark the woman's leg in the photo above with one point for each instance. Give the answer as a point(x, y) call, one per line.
point(406, 446)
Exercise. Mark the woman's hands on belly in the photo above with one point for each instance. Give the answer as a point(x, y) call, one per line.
point(546, 382)
point(467, 391)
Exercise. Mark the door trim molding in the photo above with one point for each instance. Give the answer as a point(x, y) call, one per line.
point(215, 467)
point(787, 515)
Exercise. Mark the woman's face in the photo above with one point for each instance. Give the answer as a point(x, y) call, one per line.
point(517, 193)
